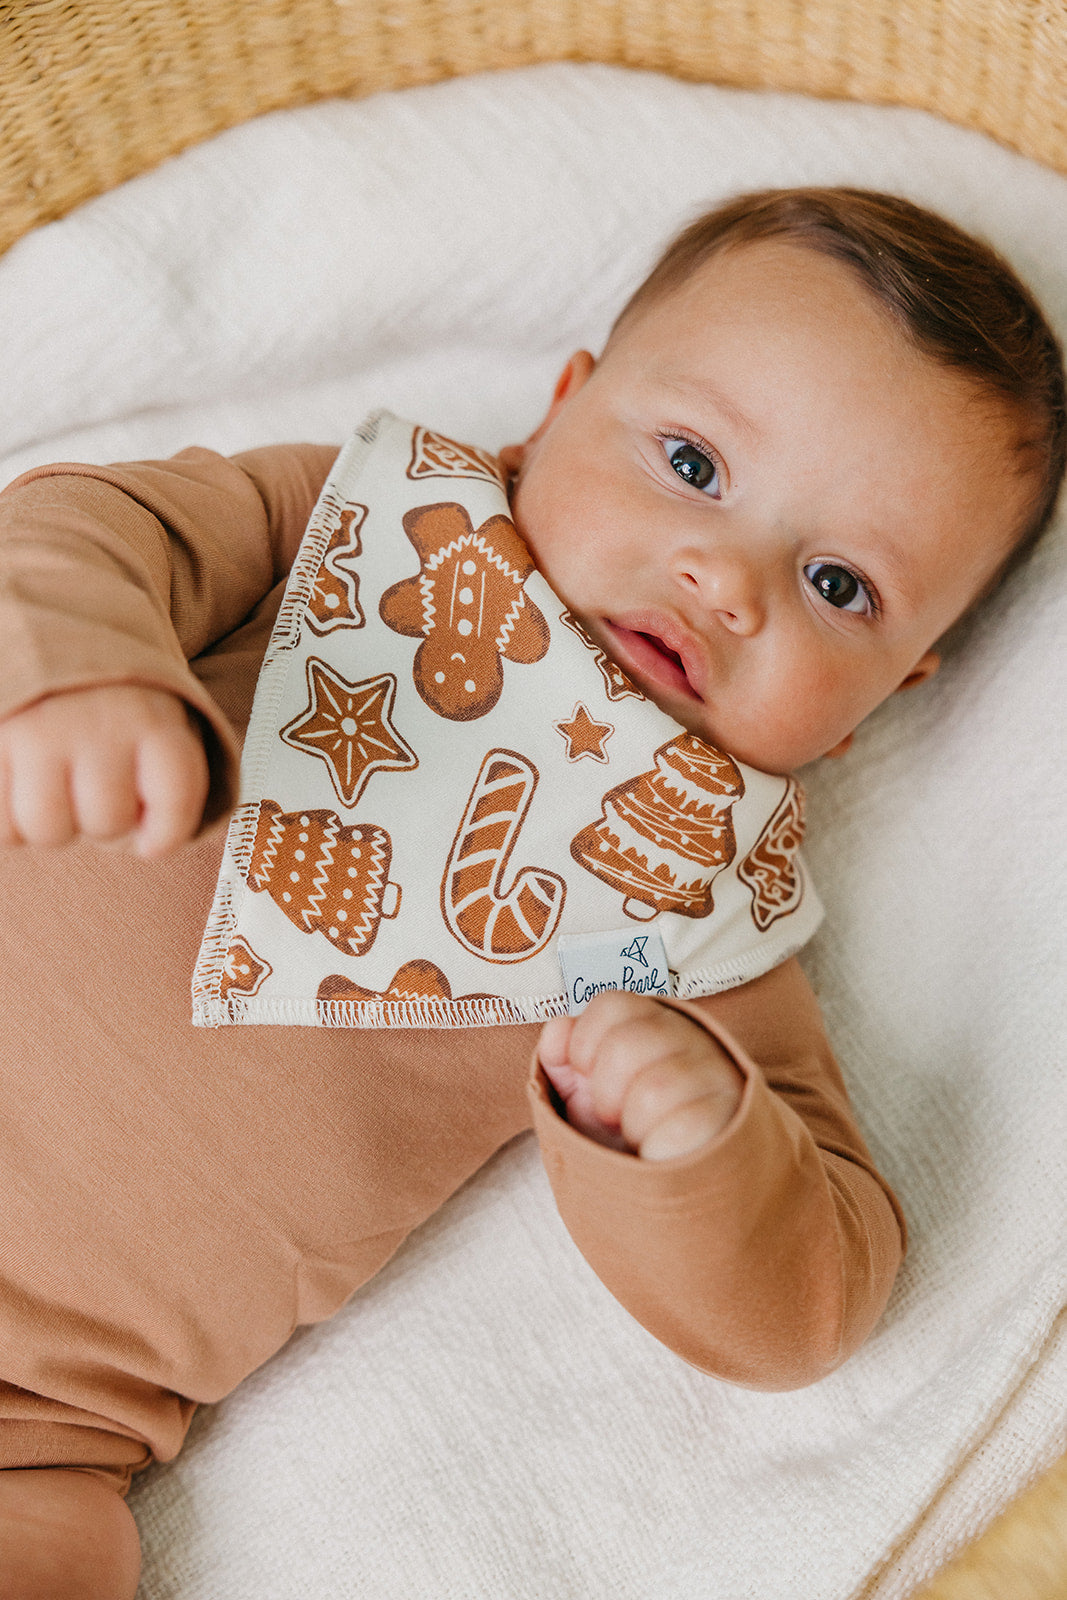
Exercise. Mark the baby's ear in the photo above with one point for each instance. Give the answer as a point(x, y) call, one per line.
point(570, 380)
point(924, 668)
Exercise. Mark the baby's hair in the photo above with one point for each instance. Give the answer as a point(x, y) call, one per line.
point(955, 297)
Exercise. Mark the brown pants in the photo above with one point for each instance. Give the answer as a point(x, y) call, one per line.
point(176, 1201)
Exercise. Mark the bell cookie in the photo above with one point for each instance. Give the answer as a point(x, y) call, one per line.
point(492, 922)
point(664, 835)
point(327, 877)
point(771, 870)
point(468, 607)
point(348, 726)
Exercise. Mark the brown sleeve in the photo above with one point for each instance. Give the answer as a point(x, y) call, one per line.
point(767, 1257)
point(123, 574)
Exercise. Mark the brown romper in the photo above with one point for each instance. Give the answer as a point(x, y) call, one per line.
point(175, 1201)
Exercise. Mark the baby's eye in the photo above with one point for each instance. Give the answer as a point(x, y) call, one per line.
point(839, 587)
point(694, 466)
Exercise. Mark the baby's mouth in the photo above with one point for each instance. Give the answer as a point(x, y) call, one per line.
point(657, 644)
point(653, 660)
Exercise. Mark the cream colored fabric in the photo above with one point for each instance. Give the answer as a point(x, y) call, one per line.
point(483, 1418)
point(422, 822)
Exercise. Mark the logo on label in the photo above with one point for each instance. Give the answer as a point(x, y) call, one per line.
point(594, 962)
point(636, 949)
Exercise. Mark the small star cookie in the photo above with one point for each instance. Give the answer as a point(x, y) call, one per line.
point(584, 736)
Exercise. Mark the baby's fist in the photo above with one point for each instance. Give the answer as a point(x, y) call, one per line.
point(117, 765)
point(640, 1076)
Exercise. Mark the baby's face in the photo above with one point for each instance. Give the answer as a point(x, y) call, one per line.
point(766, 505)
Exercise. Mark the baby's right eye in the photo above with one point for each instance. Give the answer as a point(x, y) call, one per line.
point(694, 466)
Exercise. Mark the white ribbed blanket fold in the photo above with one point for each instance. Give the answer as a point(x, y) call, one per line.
point(483, 1419)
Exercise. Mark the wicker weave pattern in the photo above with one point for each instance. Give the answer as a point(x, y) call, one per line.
point(95, 91)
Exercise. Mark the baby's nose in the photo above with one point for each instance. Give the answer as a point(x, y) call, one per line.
point(727, 582)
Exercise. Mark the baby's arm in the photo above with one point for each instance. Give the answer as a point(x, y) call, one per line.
point(752, 1234)
point(112, 580)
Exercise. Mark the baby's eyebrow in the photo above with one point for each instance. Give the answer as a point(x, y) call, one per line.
point(893, 568)
point(704, 393)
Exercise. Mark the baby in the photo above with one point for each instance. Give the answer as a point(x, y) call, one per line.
point(823, 428)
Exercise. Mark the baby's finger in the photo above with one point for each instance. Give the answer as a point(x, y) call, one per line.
point(39, 801)
point(172, 783)
point(688, 1129)
point(553, 1044)
point(104, 796)
point(626, 1035)
point(681, 1101)
point(612, 1010)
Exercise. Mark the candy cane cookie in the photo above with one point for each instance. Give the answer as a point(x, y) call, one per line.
point(492, 922)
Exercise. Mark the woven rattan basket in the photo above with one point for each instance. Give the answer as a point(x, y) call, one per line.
point(95, 91)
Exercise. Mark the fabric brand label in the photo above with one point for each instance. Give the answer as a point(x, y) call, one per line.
point(594, 962)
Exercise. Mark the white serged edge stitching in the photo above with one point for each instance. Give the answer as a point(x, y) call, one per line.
point(209, 1009)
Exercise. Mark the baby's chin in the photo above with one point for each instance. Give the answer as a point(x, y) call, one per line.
point(744, 745)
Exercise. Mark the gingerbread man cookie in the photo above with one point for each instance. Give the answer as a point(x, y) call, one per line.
point(418, 981)
point(468, 607)
point(664, 835)
point(326, 877)
point(495, 923)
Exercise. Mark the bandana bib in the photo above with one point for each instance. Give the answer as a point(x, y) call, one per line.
point(446, 783)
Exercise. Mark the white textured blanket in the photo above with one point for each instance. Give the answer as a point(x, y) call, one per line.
point(483, 1420)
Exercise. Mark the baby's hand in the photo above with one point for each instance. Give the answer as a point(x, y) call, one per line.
point(120, 765)
point(640, 1076)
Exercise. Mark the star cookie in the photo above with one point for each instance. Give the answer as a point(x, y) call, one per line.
point(584, 736)
point(347, 725)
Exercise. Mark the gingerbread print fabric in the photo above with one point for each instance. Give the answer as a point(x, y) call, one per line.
point(443, 774)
